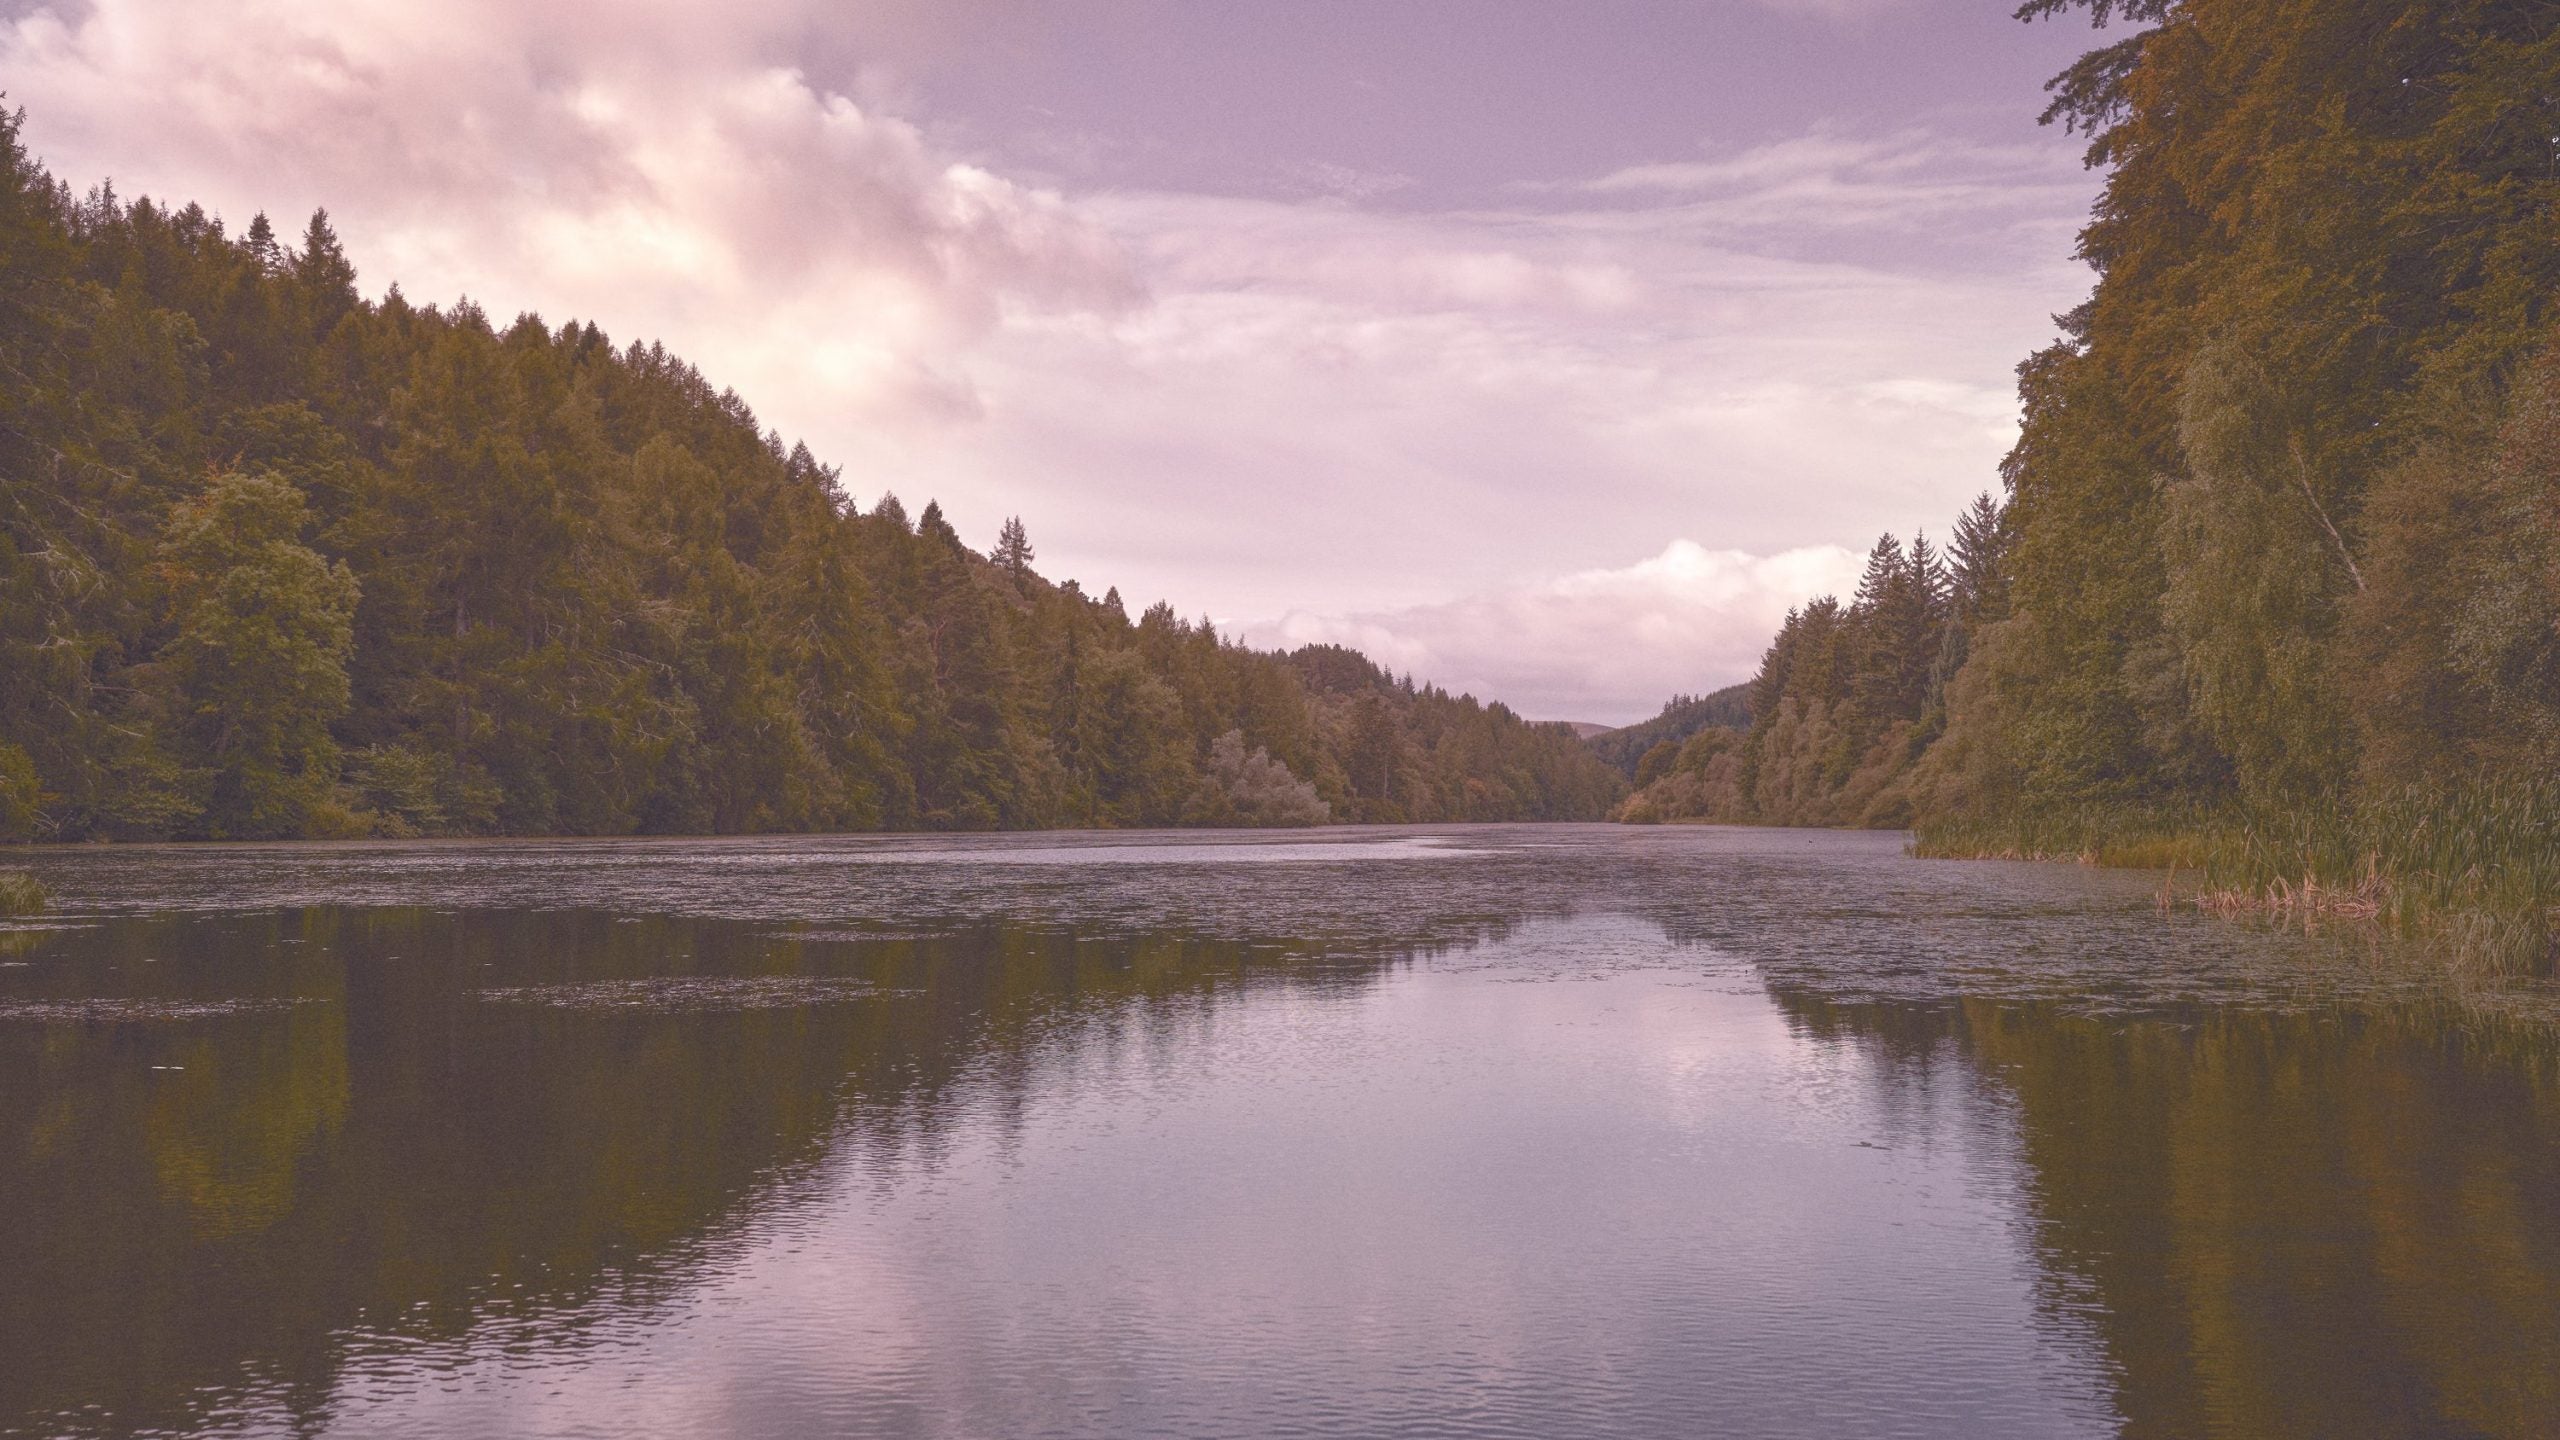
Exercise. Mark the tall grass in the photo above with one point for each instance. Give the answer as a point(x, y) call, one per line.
point(2472, 872)
point(20, 894)
point(2133, 837)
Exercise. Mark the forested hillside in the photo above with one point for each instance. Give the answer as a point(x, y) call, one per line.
point(1848, 696)
point(1651, 743)
point(279, 561)
point(2282, 533)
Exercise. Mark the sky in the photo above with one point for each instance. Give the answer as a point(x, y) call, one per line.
point(1548, 350)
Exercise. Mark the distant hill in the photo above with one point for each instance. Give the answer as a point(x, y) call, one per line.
point(1683, 717)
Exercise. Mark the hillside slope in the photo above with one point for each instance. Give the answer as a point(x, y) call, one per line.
point(276, 560)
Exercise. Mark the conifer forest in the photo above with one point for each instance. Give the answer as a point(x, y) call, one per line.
point(276, 561)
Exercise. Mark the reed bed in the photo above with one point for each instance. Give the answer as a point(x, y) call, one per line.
point(2472, 873)
point(21, 894)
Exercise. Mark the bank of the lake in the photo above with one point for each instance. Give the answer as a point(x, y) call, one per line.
point(2470, 874)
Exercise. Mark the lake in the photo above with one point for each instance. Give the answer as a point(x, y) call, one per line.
point(1466, 1132)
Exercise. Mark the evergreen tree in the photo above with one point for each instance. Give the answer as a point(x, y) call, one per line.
point(260, 245)
point(322, 275)
point(1896, 629)
point(1978, 591)
point(1013, 550)
point(1930, 577)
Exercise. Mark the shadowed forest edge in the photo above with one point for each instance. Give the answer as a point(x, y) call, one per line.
point(2274, 592)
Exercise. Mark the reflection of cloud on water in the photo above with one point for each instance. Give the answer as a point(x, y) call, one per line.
point(1141, 1130)
point(1628, 1195)
point(1219, 850)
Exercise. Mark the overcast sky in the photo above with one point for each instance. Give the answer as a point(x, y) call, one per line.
point(1548, 349)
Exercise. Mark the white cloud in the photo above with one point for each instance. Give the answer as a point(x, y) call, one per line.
point(650, 166)
point(1600, 645)
point(1346, 411)
point(1340, 404)
point(1844, 183)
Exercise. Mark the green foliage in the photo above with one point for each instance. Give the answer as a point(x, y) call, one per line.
point(2252, 585)
point(19, 795)
point(21, 894)
point(1237, 788)
point(2456, 642)
point(2470, 868)
point(254, 672)
point(2276, 589)
point(1843, 704)
point(1627, 750)
point(1978, 585)
point(2322, 220)
point(276, 560)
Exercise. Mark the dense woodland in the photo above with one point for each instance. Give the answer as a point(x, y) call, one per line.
point(279, 561)
point(2282, 532)
point(1681, 717)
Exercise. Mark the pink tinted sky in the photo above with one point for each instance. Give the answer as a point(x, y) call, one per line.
point(1547, 350)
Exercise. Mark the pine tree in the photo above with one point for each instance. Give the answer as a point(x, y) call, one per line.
point(1930, 578)
point(1887, 569)
point(1013, 550)
point(1897, 635)
point(1980, 592)
point(932, 526)
point(260, 243)
point(323, 277)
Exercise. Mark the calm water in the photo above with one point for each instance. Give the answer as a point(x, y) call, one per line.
point(1465, 1132)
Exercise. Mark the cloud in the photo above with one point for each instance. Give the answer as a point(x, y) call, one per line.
point(659, 167)
point(1850, 11)
point(1913, 181)
point(1347, 412)
point(1608, 645)
point(1329, 400)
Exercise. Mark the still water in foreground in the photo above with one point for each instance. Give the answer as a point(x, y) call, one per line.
point(1463, 1132)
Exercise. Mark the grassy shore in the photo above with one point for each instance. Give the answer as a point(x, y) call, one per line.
point(2471, 873)
point(20, 894)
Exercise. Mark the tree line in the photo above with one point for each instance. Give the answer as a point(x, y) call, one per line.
point(1847, 697)
point(2282, 528)
point(277, 560)
point(1680, 717)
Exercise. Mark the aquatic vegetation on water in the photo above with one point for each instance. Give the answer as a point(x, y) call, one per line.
point(2471, 872)
point(121, 1010)
point(621, 1121)
point(682, 993)
point(21, 894)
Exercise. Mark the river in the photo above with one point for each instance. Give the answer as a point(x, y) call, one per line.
point(1465, 1132)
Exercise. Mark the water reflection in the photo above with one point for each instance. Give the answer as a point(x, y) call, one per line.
point(226, 1141)
point(1553, 1144)
point(2298, 1224)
